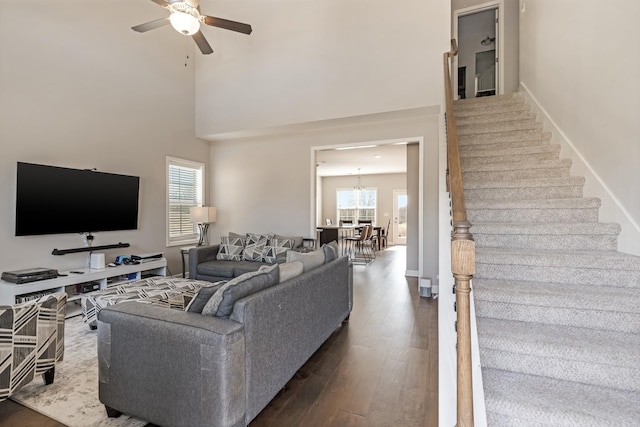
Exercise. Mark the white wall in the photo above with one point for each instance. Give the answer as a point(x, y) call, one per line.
point(80, 89)
point(262, 184)
point(318, 60)
point(383, 183)
point(579, 63)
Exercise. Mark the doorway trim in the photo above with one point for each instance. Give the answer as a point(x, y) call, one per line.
point(314, 188)
point(494, 4)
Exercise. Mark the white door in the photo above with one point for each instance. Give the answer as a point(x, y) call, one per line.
point(399, 236)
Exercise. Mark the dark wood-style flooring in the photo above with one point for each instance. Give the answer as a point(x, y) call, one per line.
point(380, 369)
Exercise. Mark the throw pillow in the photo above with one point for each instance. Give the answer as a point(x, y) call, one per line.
point(222, 301)
point(276, 250)
point(289, 270)
point(297, 240)
point(309, 260)
point(254, 246)
point(230, 248)
point(205, 293)
point(330, 251)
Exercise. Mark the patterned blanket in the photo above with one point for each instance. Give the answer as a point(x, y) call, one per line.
point(171, 292)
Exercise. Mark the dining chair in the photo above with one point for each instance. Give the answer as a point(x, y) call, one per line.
point(384, 235)
point(356, 244)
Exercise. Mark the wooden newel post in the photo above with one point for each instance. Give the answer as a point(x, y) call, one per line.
point(463, 266)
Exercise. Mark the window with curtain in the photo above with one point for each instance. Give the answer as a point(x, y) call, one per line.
point(357, 205)
point(184, 190)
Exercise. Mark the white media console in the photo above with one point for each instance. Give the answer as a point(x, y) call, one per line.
point(73, 283)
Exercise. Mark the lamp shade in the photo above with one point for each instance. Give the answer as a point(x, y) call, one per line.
point(202, 214)
point(184, 23)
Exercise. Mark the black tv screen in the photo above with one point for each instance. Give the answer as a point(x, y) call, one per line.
point(55, 200)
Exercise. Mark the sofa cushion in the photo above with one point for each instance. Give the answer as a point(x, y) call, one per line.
point(276, 250)
point(242, 267)
point(218, 268)
point(297, 240)
point(221, 302)
point(231, 248)
point(254, 246)
point(310, 260)
point(205, 293)
point(289, 270)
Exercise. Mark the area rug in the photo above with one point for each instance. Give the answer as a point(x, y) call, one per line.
point(72, 399)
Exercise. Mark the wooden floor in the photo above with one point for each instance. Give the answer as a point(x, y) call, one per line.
point(380, 369)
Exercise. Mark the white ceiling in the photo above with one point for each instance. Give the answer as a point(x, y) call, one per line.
point(389, 158)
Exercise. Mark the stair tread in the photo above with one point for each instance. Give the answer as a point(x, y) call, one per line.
point(548, 401)
point(569, 343)
point(557, 295)
point(568, 203)
point(561, 258)
point(581, 259)
point(522, 228)
point(470, 151)
point(527, 183)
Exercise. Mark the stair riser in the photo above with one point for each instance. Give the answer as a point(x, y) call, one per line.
point(494, 118)
point(496, 111)
point(546, 312)
point(518, 158)
point(503, 137)
point(487, 102)
point(533, 143)
point(487, 174)
point(549, 242)
point(575, 276)
point(480, 152)
point(598, 374)
point(499, 127)
point(532, 215)
point(523, 193)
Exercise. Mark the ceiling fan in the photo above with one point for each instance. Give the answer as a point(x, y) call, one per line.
point(186, 18)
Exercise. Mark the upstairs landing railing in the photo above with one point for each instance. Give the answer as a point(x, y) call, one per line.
point(463, 255)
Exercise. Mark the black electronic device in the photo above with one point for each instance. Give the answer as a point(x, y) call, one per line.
point(146, 257)
point(75, 200)
point(29, 275)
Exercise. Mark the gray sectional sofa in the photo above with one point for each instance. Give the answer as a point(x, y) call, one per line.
point(177, 368)
point(213, 264)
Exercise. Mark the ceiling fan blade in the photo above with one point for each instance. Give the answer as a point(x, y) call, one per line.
point(202, 43)
point(150, 25)
point(227, 25)
point(161, 3)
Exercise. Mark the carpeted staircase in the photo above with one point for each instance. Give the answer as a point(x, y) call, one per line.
point(558, 308)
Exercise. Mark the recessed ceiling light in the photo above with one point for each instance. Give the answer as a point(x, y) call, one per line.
point(377, 156)
point(356, 147)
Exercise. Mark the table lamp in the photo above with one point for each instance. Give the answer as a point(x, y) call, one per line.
point(203, 216)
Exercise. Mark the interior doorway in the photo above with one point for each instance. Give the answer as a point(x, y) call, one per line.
point(478, 64)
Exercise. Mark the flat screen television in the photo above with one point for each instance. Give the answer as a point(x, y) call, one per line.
point(56, 200)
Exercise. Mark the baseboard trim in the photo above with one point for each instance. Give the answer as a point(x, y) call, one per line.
point(612, 209)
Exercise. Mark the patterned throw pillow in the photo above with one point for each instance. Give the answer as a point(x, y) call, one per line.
point(254, 246)
point(276, 250)
point(231, 248)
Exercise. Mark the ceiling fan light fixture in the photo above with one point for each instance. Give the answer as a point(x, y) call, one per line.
point(184, 23)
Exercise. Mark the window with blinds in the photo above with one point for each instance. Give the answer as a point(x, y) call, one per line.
point(184, 190)
point(356, 205)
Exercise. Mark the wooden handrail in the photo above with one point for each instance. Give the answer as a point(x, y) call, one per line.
point(463, 254)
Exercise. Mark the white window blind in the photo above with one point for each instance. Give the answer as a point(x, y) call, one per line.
point(184, 190)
